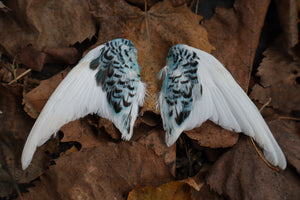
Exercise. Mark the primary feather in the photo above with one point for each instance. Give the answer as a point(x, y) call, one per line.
point(196, 88)
point(106, 82)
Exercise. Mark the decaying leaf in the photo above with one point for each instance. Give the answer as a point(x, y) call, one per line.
point(241, 174)
point(14, 128)
point(35, 59)
point(80, 131)
point(213, 136)
point(35, 100)
point(193, 188)
point(6, 71)
point(106, 172)
point(173, 190)
point(288, 18)
point(280, 81)
point(235, 33)
point(51, 24)
point(154, 139)
point(288, 136)
point(109, 128)
point(153, 32)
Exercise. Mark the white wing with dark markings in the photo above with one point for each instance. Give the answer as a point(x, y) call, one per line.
point(215, 96)
point(106, 82)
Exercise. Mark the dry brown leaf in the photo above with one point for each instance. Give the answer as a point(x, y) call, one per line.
point(280, 81)
point(241, 174)
point(206, 194)
point(110, 128)
point(35, 100)
point(235, 33)
point(150, 118)
point(6, 74)
point(213, 136)
point(51, 24)
point(173, 190)
point(288, 136)
point(106, 172)
point(67, 55)
point(154, 139)
point(193, 188)
point(32, 58)
point(197, 181)
point(35, 59)
point(14, 128)
point(288, 17)
point(80, 131)
point(153, 32)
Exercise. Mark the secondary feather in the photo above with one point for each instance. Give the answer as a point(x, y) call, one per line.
point(197, 88)
point(106, 82)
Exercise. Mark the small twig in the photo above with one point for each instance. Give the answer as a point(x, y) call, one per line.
point(13, 67)
point(254, 145)
point(266, 104)
point(262, 157)
point(196, 9)
point(20, 76)
point(290, 118)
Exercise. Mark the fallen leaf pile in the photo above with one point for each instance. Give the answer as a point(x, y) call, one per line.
point(88, 160)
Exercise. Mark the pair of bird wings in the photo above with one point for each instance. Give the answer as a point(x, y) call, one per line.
point(196, 88)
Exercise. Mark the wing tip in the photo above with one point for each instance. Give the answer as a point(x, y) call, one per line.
point(171, 137)
point(276, 158)
point(26, 159)
point(25, 164)
point(27, 154)
point(126, 136)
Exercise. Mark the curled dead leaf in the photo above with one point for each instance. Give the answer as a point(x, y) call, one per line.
point(279, 75)
point(288, 18)
point(36, 59)
point(235, 33)
point(80, 131)
point(106, 172)
point(288, 136)
point(154, 139)
point(52, 24)
point(173, 190)
point(14, 128)
point(239, 172)
point(193, 188)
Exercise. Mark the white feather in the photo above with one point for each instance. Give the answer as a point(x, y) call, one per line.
point(225, 103)
point(76, 96)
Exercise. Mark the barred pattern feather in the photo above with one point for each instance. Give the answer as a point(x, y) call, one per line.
point(196, 88)
point(106, 82)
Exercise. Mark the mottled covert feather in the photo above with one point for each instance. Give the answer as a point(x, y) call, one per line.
point(197, 88)
point(106, 82)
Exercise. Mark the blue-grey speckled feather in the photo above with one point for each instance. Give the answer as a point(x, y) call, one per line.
point(119, 76)
point(196, 88)
point(106, 81)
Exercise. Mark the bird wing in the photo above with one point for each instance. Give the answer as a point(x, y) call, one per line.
point(81, 93)
point(219, 98)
